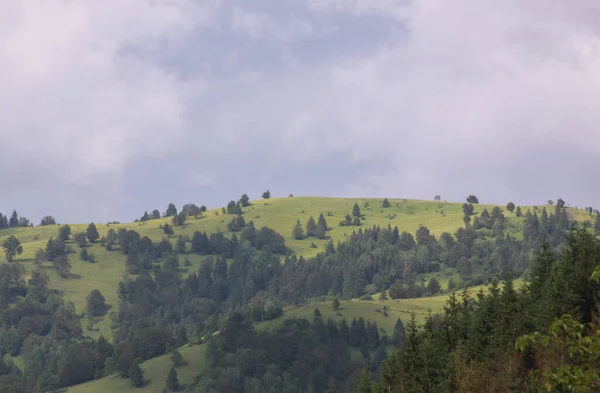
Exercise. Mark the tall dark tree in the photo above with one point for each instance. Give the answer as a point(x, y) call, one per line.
point(92, 233)
point(12, 246)
point(172, 383)
point(356, 210)
point(136, 375)
point(510, 207)
point(266, 195)
point(96, 303)
point(386, 203)
point(311, 227)
point(298, 231)
point(244, 200)
point(14, 220)
point(171, 210)
point(155, 214)
point(399, 334)
point(321, 227)
point(560, 203)
point(64, 233)
point(518, 212)
point(234, 207)
point(62, 265)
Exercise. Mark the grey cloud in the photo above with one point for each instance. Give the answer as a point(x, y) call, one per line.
point(201, 101)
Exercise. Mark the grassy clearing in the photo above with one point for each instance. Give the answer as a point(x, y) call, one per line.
point(155, 374)
point(397, 308)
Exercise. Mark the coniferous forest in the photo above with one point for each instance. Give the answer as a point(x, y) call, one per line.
point(541, 337)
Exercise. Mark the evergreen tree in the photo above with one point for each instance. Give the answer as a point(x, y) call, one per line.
point(244, 200)
point(356, 210)
point(518, 213)
point(62, 265)
point(172, 383)
point(321, 227)
point(136, 375)
point(311, 227)
point(597, 223)
point(336, 304)
point(364, 383)
point(266, 195)
point(14, 220)
point(399, 334)
point(155, 214)
point(386, 203)
point(176, 358)
point(80, 239)
point(510, 207)
point(298, 231)
point(472, 199)
point(64, 233)
point(171, 210)
point(92, 233)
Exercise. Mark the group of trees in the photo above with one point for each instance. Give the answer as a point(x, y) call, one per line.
point(506, 340)
point(354, 219)
point(188, 210)
point(313, 229)
point(14, 221)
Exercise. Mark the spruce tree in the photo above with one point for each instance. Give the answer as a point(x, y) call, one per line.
point(364, 384)
point(311, 227)
point(14, 220)
point(399, 334)
point(356, 210)
point(136, 375)
point(172, 383)
point(298, 231)
point(321, 227)
point(386, 203)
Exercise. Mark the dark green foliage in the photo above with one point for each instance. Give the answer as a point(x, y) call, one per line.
point(80, 239)
point(266, 195)
point(347, 221)
point(12, 246)
point(92, 233)
point(468, 208)
point(321, 227)
point(136, 375)
point(336, 304)
point(14, 220)
point(311, 227)
point(84, 254)
point(171, 210)
point(356, 221)
point(244, 200)
point(62, 265)
point(518, 212)
point(179, 219)
point(168, 230)
point(560, 203)
point(48, 220)
point(399, 334)
point(234, 207)
point(182, 241)
point(64, 233)
point(155, 214)
point(236, 224)
point(317, 313)
point(176, 358)
point(510, 207)
point(472, 199)
point(190, 209)
point(298, 231)
point(385, 203)
point(96, 303)
point(356, 210)
point(434, 287)
point(172, 383)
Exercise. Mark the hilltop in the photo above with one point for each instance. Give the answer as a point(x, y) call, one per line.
point(281, 214)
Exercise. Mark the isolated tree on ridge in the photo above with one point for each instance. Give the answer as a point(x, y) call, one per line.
point(12, 246)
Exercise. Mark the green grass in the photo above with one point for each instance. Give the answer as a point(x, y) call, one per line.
point(372, 309)
point(155, 375)
point(280, 214)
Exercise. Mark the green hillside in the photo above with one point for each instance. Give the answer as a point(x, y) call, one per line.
point(155, 374)
point(280, 214)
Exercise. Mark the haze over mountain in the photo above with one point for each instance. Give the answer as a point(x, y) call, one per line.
point(110, 108)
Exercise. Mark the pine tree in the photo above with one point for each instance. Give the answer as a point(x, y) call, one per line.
point(336, 304)
point(518, 213)
point(399, 334)
point(356, 210)
point(311, 227)
point(136, 375)
point(321, 227)
point(364, 384)
point(298, 231)
point(386, 203)
point(14, 220)
point(172, 383)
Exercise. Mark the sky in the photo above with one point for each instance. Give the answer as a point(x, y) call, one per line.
point(111, 108)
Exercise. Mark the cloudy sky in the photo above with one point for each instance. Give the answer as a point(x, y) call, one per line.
point(109, 108)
